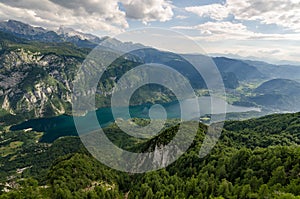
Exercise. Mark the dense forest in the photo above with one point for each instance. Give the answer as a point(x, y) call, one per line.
point(257, 158)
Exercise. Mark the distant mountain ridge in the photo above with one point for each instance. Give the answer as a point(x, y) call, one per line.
point(242, 70)
point(279, 86)
point(70, 32)
point(37, 67)
point(20, 28)
point(280, 94)
point(36, 77)
point(26, 31)
point(277, 71)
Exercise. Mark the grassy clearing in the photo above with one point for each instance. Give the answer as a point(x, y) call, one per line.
point(10, 149)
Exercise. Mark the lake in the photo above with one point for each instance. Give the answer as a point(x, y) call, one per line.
point(63, 125)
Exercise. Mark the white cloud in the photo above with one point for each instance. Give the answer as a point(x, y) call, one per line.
point(284, 13)
point(221, 31)
point(109, 12)
point(235, 30)
point(148, 10)
point(181, 17)
point(237, 39)
point(52, 14)
point(218, 31)
point(272, 54)
point(214, 11)
point(88, 15)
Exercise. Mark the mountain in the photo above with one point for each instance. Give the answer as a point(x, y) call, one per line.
point(38, 67)
point(277, 71)
point(40, 34)
point(78, 38)
point(256, 158)
point(279, 86)
point(242, 70)
point(70, 32)
point(279, 94)
point(269, 60)
point(28, 32)
point(282, 70)
point(21, 29)
point(35, 77)
point(179, 63)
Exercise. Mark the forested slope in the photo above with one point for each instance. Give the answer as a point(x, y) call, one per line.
point(257, 158)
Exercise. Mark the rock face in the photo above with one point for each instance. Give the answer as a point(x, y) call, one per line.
point(6, 104)
point(38, 66)
point(20, 28)
point(29, 32)
point(36, 83)
point(71, 34)
point(35, 77)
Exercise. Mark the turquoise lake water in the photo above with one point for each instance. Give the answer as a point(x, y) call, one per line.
point(64, 125)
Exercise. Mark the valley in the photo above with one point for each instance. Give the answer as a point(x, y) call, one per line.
point(42, 156)
point(40, 77)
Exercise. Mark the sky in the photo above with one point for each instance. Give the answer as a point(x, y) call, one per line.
point(255, 29)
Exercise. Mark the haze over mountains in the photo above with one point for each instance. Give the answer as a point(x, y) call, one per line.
point(38, 66)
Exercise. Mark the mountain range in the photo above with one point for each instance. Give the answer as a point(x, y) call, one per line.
point(280, 94)
point(254, 158)
point(38, 66)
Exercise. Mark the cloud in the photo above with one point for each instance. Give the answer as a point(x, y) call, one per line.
point(224, 30)
point(88, 15)
point(53, 14)
point(108, 12)
point(235, 38)
point(181, 17)
point(217, 30)
point(270, 51)
point(148, 10)
point(214, 11)
point(284, 13)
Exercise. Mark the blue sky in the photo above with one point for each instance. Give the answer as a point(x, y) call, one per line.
point(258, 29)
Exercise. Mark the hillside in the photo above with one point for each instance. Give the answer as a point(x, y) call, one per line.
point(35, 77)
point(38, 67)
point(276, 71)
point(37, 72)
point(280, 94)
point(181, 64)
point(25, 31)
point(242, 70)
point(257, 158)
point(279, 86)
